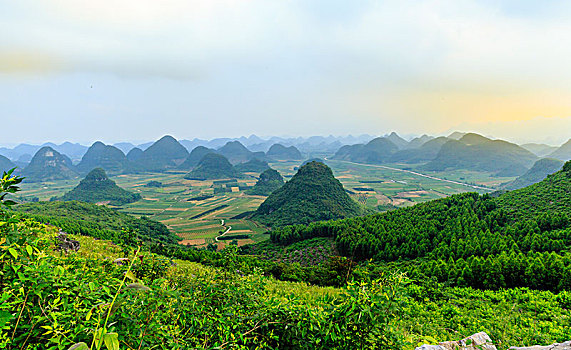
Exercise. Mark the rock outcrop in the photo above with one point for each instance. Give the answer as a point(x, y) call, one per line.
point(478, 341)
point(481, 341)
point(556, 346)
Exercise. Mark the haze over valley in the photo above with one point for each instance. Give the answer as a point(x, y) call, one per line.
point(248, 174)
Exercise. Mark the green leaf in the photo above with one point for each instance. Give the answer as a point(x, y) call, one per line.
point(111, 341)
point(5, 316)
point(130, 276)
point(79, 346)
point(13, 252)
point(29, 250)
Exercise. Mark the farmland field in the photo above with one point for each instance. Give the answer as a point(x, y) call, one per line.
point(198, 215)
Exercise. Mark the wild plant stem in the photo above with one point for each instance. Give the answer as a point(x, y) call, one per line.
point(115, 297)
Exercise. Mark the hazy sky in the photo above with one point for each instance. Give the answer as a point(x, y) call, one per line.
point(112, 70)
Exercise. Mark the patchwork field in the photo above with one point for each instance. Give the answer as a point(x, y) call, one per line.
point(204, 212)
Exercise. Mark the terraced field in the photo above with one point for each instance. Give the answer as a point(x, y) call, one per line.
point(197, 215)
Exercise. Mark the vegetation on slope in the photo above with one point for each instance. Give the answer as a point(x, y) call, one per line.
point(538, 172)
point(280, 152)
point(376, 151)
point(212, 166)
point(164, 154)
point(55, 300)
point(6, 164)
point(563, 152)
point(253, 166)
point(269, 181)
point(97, 187)
point(195, 157)
point(466, 239)
point(96, 221)
point(48, 165)
point(548, 196)
point(478, 153)
point(235, 152)
point(109, 158)
point(312, 194)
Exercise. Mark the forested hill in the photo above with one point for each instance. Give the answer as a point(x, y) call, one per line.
point(312, 194)
point(548, 196)
point(504, 238)
point(97, 221)
point(538, 172)
point(97, 187)
point(5, 164)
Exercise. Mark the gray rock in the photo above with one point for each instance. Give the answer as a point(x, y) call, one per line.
point(66, 244)
point(556, 346)
point(478, 341)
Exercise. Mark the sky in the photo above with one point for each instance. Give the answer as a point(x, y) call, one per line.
point(134, 70)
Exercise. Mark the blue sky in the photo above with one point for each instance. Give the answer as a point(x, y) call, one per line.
point(135, 70)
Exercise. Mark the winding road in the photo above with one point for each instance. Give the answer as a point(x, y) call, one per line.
point(223, 233)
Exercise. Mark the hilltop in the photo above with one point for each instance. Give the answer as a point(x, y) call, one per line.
point(478, 153)
point(539, 149)
point(397, 140)
point(280, 152)
point(563, 152)
point(5, 164)
point(548, 196)
point(195, 157)
point(97, 187)
point(424, 153)
point(252, 166)
point(419, 141)
point(538, 172)
point(269, 181)
point(49, 165)
point(109, 158)
point(235, 152)
point(135, 154)
point(212, 166)
point(312, 194)
point(376, 151)
point(164, 154)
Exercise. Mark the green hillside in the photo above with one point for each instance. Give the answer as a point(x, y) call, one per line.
point(478, 153)
point(269, 181)
point(252, 166)
point(280, 152)
point(465, 239)
point(109, 158)
point(419, 141)
point(164, 154)
point(49, 165)
point(97, 187)
point(376, 151)
point(235, 152)
point(97, 221)
point(397, 140)
point(539, 149)
point(312, 194)
point(426, 152)
point(134, 154)
point(5, 164)
point(213, 166)
point(129, 287)
point(538, 172)
point(563, 152)
point(552, 195)
point(195, 157)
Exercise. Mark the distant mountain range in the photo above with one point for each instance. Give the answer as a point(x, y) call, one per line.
point(458, 150)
